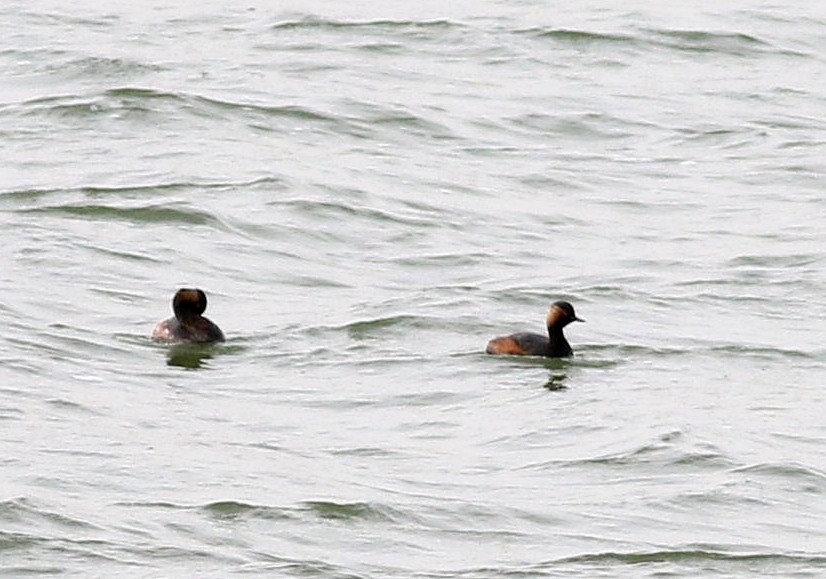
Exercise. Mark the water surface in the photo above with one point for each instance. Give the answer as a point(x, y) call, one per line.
point(367, 194)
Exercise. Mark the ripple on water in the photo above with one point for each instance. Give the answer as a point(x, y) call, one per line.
point(168, 214)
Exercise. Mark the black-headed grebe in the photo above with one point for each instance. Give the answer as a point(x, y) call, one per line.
point(188, 326)
point(554, 345)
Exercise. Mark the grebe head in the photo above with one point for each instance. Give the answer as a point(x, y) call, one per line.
point(188, 303)
point(561, 314)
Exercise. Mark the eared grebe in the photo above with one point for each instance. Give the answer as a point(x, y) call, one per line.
point(188, 326)
point(554, 345)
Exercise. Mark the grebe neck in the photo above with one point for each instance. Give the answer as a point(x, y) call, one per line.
point(558, 346)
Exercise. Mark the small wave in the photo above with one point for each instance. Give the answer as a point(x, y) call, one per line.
point(760, 352)
point(668, 450)
point(74, 406)
point(79, 106)
point(322, 509)
point(705, 560)
point(276, 566)
point(95, 66)
point(637, 351)
point(363, 119)
point(54, 17)
point(235, 510)
point(442, 259)
point(402, 26)
point(145, 214)
point(220, 509)
point(362, 328)
point(731, 43)
point(596, 126)
point(10, 413)
point(776, 261)
point(22, 509)
point(336, 210)
point(138, 191)
point(147, 103)
point(787, 471)
point(357, 511)
point(574, 37)
point(688, 555)
point(152, 505)
point(369, 452)
point(125, 255)
point(135, 97)
point(366, 328)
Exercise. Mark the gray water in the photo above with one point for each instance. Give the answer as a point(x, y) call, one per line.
point(368, 193)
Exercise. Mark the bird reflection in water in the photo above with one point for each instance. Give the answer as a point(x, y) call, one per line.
point(189, 356)
point(556, 381)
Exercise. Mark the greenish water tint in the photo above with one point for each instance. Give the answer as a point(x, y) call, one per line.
point(368, 194)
